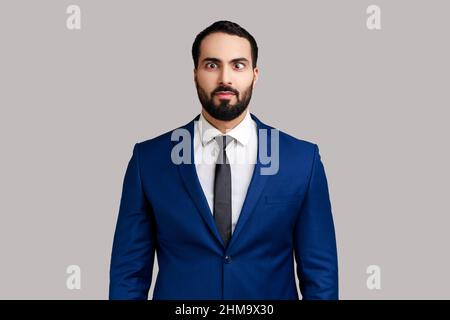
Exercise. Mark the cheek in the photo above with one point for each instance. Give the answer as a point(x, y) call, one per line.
point(207, 81)
point(244, 82)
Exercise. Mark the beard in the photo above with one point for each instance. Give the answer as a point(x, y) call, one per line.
point(224, 111)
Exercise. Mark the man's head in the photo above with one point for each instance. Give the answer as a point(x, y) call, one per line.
point(225, 72)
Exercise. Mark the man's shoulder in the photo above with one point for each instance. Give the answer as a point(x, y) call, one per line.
point(294, 141)
point(287, 140)
point(165, 139)
point(294, 149)
point(156, 141)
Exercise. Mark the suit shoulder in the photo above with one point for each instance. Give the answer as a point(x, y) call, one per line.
point(287, 139)
point(289, 144)
point(296, 143)
point(160, 141)
point(157, 141)
point(155, 150)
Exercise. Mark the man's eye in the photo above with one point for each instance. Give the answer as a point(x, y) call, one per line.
point(211, 65)
point(240, 65)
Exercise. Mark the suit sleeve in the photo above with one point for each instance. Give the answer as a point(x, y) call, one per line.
point(133, 245)
point(314, 239)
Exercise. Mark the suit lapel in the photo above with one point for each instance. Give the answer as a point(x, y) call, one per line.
point(192, 184)
point(255, 188)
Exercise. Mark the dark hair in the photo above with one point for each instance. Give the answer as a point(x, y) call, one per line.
point(227, 27)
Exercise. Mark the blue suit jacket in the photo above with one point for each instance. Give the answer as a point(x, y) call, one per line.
point(285, 215)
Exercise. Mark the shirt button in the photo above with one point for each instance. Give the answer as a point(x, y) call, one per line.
point(227, 259)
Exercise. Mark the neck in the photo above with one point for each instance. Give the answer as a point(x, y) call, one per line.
point(221, 125)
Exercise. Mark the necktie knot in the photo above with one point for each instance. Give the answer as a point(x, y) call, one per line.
point(222, 141)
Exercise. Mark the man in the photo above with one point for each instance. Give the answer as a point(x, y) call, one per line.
point(223, 224)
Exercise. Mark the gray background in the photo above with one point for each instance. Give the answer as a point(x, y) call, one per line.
point(73, 103)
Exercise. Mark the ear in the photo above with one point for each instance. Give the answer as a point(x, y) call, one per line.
point(195, 76)
point(255, 76)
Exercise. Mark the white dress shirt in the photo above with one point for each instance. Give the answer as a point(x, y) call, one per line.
point(241, 153)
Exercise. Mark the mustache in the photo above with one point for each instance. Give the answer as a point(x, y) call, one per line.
point(224, 88)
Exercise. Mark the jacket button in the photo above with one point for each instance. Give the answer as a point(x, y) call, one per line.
point(227, 259)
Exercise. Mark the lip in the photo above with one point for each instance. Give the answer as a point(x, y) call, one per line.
point(224, 94)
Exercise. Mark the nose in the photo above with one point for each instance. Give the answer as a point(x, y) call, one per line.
point(225, 77)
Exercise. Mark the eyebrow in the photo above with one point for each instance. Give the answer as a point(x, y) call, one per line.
point(220, 61)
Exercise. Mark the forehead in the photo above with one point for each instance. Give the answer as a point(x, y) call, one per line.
point(225, 47)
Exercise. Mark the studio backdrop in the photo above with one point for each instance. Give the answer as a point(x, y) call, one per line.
point(82, 81)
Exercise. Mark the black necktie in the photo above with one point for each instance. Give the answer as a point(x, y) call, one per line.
point(222, 190)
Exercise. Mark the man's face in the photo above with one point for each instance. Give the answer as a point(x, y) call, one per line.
point(224, 77)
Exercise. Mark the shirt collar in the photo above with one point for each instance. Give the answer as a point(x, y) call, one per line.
point(241, 132)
